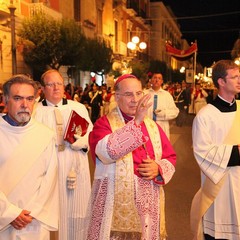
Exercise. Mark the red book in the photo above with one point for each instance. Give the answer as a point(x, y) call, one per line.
point(76, 125)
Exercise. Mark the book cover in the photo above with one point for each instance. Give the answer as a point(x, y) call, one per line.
point(76, 125)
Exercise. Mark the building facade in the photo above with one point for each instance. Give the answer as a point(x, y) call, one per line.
point(116, 21)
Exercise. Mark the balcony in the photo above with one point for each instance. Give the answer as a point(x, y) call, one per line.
point(133, 4)
point(117, 3)
point(4, 12)
point(35, 8)
point(133, 8)
point(120, 48)
point(4, 16)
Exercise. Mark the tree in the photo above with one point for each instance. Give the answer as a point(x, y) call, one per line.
point(160, 67)
point(71, 44)
point(97, 56)
point(40, 35)
point(139, 69)
point(50, 43)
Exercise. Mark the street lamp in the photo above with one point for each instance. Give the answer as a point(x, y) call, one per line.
point(135, 46)
point(12, 9)
point(237, 61)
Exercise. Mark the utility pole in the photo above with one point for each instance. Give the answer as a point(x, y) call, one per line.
point(12, 9)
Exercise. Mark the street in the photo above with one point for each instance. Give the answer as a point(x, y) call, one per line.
point(185, 183)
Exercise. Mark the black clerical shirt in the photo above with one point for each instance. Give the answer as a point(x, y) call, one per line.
point(224, 106)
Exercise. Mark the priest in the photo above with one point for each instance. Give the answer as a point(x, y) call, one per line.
point(134, 160)
point(216, 144)
point(28, 167)
point(73, 165)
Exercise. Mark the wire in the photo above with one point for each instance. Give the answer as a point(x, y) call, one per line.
point(195, 17)
point(215, 30)
point(209, 52)
point(199, 31)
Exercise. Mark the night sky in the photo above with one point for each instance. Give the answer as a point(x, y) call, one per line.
point(213, 24)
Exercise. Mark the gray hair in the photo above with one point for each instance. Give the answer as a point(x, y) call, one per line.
point(21, 79)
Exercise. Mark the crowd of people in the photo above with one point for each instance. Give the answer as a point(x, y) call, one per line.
point(45, 187)
point(189, 98)
point(95, 98)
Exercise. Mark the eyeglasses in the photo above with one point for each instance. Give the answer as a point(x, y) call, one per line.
point(51, 85)
point(130, 95)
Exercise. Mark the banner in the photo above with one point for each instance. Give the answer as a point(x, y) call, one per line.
point(181, 55)
point(189, 76)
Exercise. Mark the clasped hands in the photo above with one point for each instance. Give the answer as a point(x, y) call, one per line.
point(22, 220)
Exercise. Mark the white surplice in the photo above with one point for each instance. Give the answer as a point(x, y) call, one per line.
point(210, 128)
point(73, 203)
point(28, 180)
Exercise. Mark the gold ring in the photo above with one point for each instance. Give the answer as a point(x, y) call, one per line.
point(142, 105)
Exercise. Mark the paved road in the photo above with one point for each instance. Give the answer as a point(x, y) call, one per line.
point(185, 183)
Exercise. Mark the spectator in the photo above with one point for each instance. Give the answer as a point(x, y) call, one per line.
point(68, 94)
point(95, 102)
point(40, 95)
point(106, 95)
point(199, 96)
point(78, 94)
point(163, 108)
point(180, 99)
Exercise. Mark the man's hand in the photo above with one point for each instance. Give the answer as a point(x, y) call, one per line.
point(142, 109)
point(80, 143)
point(22, 220)
point(148, 169)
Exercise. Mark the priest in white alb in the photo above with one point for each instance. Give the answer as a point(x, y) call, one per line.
point(28, 167)
point(73, 165)
point(215, 212)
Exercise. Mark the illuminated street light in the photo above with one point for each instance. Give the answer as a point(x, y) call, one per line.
point(135, 39)
point(12, 9)
point(131, 45)
point(142, 45)
point(182, 69)
point(237, 61)
point(135, 46)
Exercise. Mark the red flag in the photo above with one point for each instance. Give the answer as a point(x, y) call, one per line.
point(181, 54)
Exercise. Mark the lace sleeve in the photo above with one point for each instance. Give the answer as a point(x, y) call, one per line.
point(125, 140)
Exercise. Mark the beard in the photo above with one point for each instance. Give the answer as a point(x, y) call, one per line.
point(23, 116)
